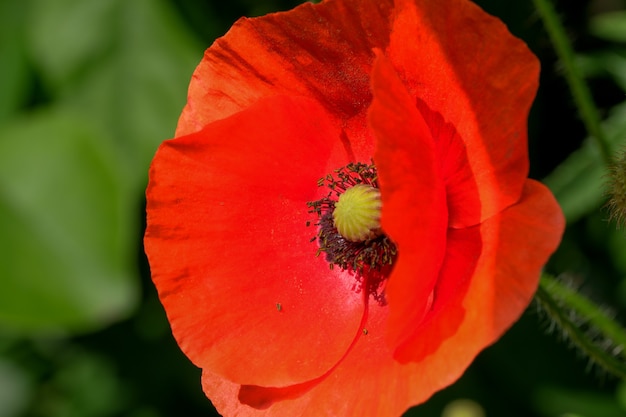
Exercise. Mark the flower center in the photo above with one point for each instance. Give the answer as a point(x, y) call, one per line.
point(349, 227)
point(357, 213)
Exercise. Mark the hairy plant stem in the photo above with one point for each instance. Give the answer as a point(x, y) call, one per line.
point(582, 96)
point(585, 324)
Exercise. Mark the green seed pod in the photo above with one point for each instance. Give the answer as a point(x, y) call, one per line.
point(357, 213)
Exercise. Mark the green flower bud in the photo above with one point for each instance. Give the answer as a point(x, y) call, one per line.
point(617, 189)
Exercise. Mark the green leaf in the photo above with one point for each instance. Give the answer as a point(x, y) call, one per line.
point(14, 69)
point(68, 227)
point(84, 385)
point(611, 63)
point(68, 36)
point(559, 401)
point(610, 26)
point(137, 89)
point(16, 389)
point(579, 182)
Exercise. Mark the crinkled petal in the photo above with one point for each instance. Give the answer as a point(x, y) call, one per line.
point(231, 254)
point(467, 67)
point(515, 245)
point(414, 212)
point(321, 51)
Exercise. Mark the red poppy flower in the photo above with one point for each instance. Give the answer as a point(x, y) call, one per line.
point(423, 103)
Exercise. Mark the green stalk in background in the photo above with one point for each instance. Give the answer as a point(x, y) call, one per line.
point(584, 102)
point(582, 321)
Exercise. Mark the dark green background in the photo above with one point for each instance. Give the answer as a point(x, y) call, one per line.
point(89, 88)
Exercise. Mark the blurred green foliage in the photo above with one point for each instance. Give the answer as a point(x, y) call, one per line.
point(88, 90)
point(107, 80)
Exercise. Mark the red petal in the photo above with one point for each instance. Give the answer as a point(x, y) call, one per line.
point(227, 242)
point(515, 246)
point(414, 213)
point(321, 51)
point(465, 65)
point(370, 383)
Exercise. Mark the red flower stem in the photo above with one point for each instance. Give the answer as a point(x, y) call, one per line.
point(584, 324)
point(580, 92)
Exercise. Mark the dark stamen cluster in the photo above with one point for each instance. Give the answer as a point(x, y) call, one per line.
point(371, 258)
